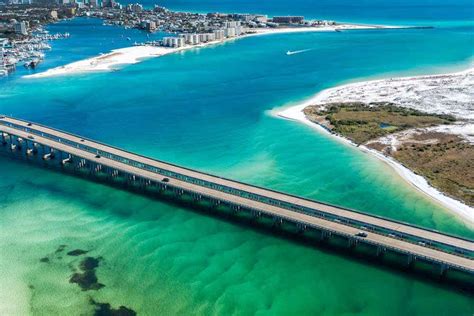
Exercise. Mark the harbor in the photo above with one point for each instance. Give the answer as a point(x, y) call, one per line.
point(29, 53)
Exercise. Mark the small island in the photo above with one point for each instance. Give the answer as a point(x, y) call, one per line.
point(441, 158)
point(425, 124)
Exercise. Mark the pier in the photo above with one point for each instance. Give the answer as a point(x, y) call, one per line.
point(72, 153)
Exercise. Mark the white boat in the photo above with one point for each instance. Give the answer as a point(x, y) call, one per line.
point(297, 52)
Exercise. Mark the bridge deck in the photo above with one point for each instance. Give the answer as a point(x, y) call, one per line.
point(248, 196)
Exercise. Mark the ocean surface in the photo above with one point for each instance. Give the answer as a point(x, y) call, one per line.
point(212, 109)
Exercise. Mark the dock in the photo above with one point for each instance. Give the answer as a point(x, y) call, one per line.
point(70, 152)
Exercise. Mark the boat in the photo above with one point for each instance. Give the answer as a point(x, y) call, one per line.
point(32, 63)
point(297, 51)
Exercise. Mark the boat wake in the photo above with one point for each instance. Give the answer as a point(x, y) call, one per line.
point(297, 51)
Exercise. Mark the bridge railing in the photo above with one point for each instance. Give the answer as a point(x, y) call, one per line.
point(233, 191)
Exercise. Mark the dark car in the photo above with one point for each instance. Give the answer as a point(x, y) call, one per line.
point(165, 180)
point(97, 156)
point(30, 137)
point(361, 234)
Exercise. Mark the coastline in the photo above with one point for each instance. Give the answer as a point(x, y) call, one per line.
point(131, 55)
point(295, 113)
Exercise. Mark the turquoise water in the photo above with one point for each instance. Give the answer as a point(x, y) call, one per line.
point(211, 109)
point(370, 11)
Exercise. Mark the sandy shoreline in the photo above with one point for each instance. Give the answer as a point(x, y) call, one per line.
point(132, 55)
point(296, 113)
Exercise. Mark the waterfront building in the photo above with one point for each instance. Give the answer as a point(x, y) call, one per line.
point(195, 39)
point(219, 35)
point(20, 28)
point(207, 37)
point(239, 30)
point(230, 32)
point(188, 38)
point(150, 26)
point(173, 41)
point(211, 37)
point(288, 19)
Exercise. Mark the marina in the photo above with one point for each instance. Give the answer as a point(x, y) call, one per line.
point(29, 52)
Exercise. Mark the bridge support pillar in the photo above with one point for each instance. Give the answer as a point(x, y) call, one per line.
point(235, 209)
point(380, 252)
point(410, 261)
point(323, 236)
point(277, 221)
point(12, 146)
point(443, 269)
point(256, 214)
point(4, 142)
point(351, 243)
point(301, 228)
point(19, 142)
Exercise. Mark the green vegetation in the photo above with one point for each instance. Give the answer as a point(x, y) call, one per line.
point(447, 163)
point(362, 122)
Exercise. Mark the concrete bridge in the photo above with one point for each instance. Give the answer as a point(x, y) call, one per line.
point(76, 154)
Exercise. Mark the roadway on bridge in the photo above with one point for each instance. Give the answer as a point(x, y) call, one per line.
point(400, 245)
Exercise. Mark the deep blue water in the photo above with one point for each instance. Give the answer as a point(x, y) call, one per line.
point(373, 11)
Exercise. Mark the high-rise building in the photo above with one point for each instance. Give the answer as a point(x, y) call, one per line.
point(195, 39)
point(230, 32)
point(20, 28)
point(173, 41)
point(219, 35)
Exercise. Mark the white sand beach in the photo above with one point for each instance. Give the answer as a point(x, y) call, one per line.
point(417, 92)
point(106, 62)
point(131, 55)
